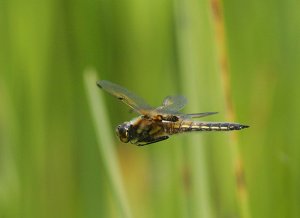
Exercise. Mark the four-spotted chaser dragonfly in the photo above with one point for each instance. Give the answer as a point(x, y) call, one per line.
point(157, 124)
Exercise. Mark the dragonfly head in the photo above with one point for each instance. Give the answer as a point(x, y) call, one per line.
point(123, 132)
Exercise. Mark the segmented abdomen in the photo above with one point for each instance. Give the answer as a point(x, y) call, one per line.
point(189, 126)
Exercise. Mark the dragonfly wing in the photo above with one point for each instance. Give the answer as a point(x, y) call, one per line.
point(172, 104)
point(198, 115)
point(132, 100)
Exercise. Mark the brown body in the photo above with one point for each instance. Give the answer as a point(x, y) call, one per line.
point(144, 130)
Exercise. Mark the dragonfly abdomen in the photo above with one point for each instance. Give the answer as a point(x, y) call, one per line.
point(189, 126)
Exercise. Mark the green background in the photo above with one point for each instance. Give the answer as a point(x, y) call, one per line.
point(50, 161)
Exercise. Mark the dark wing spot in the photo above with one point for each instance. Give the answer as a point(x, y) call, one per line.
point(174, 118)
point(171, 118)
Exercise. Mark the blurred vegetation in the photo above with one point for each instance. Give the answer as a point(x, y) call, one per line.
point(59, 158)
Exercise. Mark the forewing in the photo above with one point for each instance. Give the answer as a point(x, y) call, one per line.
point(172, 104)
point(132, 100)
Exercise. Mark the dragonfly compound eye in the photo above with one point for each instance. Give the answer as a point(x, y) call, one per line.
point(123, 132)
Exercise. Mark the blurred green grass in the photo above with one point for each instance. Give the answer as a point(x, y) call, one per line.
point(50, 165)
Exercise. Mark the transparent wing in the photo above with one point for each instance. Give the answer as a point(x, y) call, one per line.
point(135, 102)
point(172, 104)
point(198, 115)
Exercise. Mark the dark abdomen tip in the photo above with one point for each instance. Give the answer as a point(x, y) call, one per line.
point(236, 126)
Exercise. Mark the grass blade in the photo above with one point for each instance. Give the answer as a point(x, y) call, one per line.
point(105, 142)
point(237, 161)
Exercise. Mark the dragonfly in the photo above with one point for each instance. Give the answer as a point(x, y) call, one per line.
point(155, 124)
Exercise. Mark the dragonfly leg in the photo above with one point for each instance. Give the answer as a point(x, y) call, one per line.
point(152, 140)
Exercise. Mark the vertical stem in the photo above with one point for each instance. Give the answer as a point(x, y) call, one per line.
point(218, 18)
point(105, 142)
point(189, 15)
